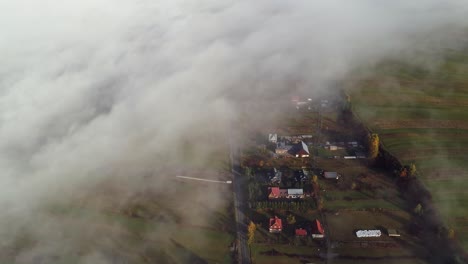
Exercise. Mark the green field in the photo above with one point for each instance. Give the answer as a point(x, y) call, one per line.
point(421, 115)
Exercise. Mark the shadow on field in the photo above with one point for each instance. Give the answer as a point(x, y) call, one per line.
point(187, 255)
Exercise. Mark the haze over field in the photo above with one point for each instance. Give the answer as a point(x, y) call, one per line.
point(102, 92)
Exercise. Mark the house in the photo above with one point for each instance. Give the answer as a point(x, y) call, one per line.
point(317, 230)
point(295, 193)
point(275, 176)
point(333, 147)
point(300, 150)
point(275, 225)
point(393, 233)
point(282, 148)
point(273, 192)
point(331, 175)
point(301, 232)
point(273, 138)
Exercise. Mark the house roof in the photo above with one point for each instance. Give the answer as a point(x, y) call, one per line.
point(300, 148)
point(275, 223)
point(295, 191)
point(274, 191)
point(319, 227)
point(301, 232)
point(305, 147)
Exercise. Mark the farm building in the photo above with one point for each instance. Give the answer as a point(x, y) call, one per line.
point(333, 147)
point(317, 230)
point(393, 233)
point(331, 175)
point(300, 150)
point(368, 233)
point(276, 192)
point(295, 193)
point(276, 225)
point(300, 232)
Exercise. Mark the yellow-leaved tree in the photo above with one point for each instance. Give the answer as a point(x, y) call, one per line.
point(251, 233)
point(373, 145)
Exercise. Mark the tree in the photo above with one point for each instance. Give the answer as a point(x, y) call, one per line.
point(412, 170)
point(251, 233)
point(419, 210)
point(451, 233)
point(320, 203)
point(315, 179)
point(373, 145)
point(291, 219)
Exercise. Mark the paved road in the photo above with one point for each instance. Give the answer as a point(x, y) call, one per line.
point(239, 203)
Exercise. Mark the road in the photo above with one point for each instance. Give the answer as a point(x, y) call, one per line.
point(239, 202)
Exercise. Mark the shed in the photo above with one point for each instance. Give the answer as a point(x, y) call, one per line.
point(331, 175)
point(393, 233)
point(301, 232)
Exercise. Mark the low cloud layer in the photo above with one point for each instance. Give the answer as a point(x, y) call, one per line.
point(95, 90)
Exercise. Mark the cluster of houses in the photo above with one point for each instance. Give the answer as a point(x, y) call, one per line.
point(277, 193)
point(290, 146)
point(315, 230)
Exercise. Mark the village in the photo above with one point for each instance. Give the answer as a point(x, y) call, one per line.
point(311, 190)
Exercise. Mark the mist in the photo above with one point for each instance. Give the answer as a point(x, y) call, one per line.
point(100, 93)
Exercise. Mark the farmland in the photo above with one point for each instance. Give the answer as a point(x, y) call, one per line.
point(421, 115)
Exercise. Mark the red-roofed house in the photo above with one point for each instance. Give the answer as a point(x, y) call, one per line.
point(273, 192)
point(317, 230)
point(275, 225)
point(301, 232)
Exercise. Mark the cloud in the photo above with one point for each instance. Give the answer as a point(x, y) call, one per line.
point(94, 90)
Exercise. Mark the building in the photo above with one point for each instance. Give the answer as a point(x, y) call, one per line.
point(300, 150)
point(317, 230)
point(368, 233)
point(282, 148)
point(277, 175)
point(301, 232)
point(273, 192)
point(276, 193)
point(276, 225)
point(273, 138)
point(295, 193)
point(393, 233)
point(331, 175)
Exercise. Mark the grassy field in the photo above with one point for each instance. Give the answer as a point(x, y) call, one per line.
point(421, 116)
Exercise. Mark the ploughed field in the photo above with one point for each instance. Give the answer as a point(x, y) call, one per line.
point(421, 117)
